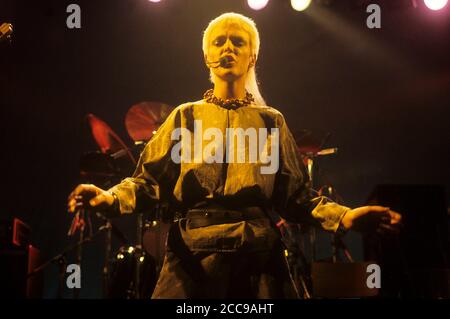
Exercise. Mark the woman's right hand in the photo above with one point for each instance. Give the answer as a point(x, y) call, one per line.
point(89, 196)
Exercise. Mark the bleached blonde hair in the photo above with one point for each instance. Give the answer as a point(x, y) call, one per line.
point(247, 24)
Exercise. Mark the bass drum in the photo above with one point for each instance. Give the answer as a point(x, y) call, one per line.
point(123, 274)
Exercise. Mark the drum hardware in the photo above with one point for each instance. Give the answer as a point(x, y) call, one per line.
point(139, 255)
point(110, 229)
point(123, 284)
point(338, 243)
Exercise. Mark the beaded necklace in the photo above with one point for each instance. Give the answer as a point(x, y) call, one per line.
point(228, 103)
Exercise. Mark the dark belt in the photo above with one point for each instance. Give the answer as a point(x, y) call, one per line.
point(202, 217)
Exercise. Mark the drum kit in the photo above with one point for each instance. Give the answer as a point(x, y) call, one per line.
point(131, 272)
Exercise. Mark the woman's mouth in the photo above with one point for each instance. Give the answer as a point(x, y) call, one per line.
point(227, 61)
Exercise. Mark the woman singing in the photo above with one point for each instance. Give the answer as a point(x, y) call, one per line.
point(225, 164)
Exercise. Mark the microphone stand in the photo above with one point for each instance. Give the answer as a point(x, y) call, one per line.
point(76, 291)
point(137, 279)
point(60, 259)
point(110, 230)
point(337, 244)
point(312, 231)
point(108, 238)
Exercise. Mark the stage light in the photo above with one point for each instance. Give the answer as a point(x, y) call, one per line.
point(154, 0)
point(435, 4)
point(300, 5)
point(257, 4)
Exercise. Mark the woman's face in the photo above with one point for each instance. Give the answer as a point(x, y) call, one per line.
point(230, 40)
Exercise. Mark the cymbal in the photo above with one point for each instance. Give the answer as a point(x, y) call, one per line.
point(108, 141)
point(309, 143)
point(143, 119)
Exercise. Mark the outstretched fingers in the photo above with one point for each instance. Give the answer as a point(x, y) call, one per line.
point(80, 195)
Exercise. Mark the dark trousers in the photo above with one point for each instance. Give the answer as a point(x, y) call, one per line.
point(219, 275)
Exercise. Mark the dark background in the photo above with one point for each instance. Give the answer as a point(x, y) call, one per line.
point(383, 94)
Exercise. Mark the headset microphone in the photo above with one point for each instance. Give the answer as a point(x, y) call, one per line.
point(215, 64)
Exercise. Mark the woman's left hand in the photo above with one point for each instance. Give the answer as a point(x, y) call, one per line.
point(381, 217)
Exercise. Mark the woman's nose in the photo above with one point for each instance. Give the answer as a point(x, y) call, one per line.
point(228, 46)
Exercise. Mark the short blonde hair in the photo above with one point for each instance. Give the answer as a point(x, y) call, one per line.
point(244, 22)
point(247, 24)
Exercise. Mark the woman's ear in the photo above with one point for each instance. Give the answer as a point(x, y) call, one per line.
point(252, 61)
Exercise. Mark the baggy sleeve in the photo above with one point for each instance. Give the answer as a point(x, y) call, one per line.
point(293, 197)
point(155, 175)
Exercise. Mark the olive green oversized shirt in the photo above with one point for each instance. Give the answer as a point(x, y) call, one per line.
point(160, 176)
